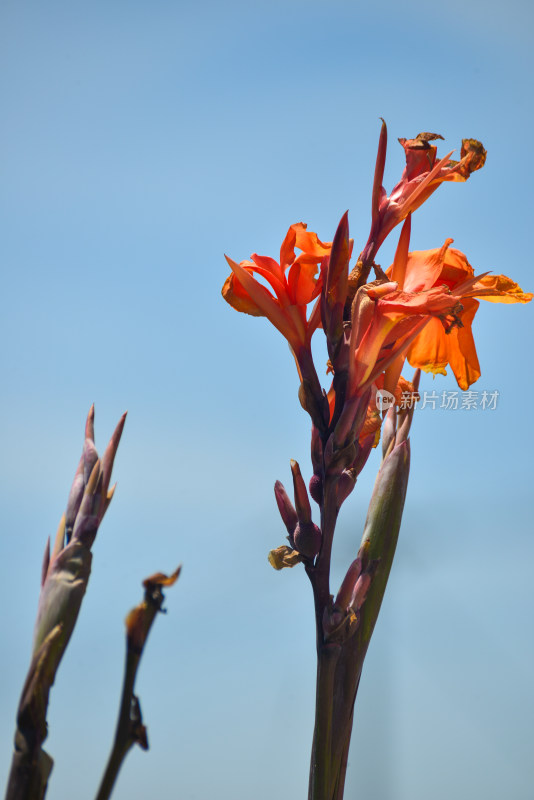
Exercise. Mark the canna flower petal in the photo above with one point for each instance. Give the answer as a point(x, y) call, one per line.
point(264, 302)
point(396, 319)
point(284, 301)
point(436, 347)
point(500, 289)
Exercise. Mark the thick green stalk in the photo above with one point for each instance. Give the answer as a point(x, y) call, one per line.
point(320, 768)
point(379, 543)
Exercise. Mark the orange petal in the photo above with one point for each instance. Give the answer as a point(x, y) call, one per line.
point(462, 352)
point(266, 303)
point(302, 280)
point(239, 298)
point(310, 243)
point(287, 250)
point(427, 267)
point(429, 351)
point(500, 289)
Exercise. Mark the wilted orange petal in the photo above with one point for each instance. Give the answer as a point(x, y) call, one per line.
point(500, 289)
point(160, 579)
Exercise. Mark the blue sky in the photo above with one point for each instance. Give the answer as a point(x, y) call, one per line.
point(138, 143)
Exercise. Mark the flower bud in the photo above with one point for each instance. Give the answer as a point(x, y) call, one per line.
point(285, 507)
point(302, 502)
point(360, 591)
point(307, 539)
point(389, 428)
point(346, 590)
point(316, 488)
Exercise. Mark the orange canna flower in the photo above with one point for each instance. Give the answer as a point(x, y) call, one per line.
point(439, 345)
point(421, 177)
point(386, 320)
point(286, 305)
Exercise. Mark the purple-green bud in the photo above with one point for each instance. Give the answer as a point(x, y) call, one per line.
point(389, 428)
point(90, 457)
point(346, 590)
point(360, 591)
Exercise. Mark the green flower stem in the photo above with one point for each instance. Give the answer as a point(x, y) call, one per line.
point(380, 538)
point(341, 655)
point(320, 769)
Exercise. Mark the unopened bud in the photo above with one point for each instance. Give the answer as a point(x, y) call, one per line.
point(307, 539)
point(90, 457)
point(360, 591)
point(388, 430)
point(346, 590)
point(285, 507)
point(316, 488)
point(302, 502)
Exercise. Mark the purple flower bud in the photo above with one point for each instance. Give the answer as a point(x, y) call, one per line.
point(316, 488)
point(285, 507)
point(90, 457)
point(307, 538)
point(302, 502)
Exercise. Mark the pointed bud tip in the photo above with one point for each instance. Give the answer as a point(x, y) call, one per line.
point(90, 424)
